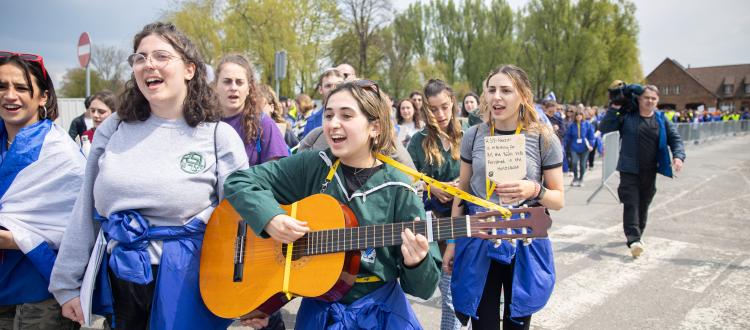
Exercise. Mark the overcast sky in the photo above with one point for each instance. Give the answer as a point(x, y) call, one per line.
point(695, 33)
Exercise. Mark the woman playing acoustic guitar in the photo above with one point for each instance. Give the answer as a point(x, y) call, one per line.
point(357, 125)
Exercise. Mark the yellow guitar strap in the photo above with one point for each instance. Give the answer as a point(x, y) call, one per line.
point(488, 185)
point(453, 191)
point(288, 264)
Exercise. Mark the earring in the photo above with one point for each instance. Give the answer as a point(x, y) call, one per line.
point(45, 112)
point(520, 112)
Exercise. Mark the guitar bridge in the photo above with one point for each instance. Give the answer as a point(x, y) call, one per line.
point(239, 251)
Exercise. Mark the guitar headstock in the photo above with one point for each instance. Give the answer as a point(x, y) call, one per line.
point(533, 222)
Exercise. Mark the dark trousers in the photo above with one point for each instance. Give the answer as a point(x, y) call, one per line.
point(499, 277)
point(132, 304)
point(592, 156)
point(579, 164)
point(636, 191)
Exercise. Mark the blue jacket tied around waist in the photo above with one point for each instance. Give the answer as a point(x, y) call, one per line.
point(177, 300)
point(384, 308)
point(533, 272)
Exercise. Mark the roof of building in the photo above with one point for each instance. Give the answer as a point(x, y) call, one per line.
point(713, 77)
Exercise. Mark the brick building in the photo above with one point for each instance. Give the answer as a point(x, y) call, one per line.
point(726, 87)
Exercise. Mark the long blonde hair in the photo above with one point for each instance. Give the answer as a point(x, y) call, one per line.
point(527, 112)
point(453, 133)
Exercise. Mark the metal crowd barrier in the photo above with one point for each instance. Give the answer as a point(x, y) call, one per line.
point(690, 132)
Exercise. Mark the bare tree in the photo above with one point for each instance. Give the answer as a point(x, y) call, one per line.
point(366, 18)
point(111, 64)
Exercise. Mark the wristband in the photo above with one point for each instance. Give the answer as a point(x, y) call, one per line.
point(542, 191)
point(450, 241)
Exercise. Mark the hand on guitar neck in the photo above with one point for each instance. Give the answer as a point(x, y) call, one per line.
point(285, 229)
point(414, 247)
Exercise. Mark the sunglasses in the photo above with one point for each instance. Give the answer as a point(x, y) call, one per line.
point(367, 85)
point(32, 58)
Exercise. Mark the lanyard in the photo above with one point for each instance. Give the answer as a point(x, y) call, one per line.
point(453, 191)
point(579, 129)
point(489, 185)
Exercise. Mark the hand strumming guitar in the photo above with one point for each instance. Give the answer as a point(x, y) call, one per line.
point(285, 229)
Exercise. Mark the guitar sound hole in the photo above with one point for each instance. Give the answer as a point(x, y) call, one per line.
point(298, 249)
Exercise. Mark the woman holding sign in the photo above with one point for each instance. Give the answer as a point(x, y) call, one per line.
point(434, 151)
point(524, 271)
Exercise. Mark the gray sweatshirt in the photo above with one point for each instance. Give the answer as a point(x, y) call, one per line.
point(162, 168)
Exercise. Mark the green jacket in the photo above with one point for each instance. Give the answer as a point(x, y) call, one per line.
point(448, 171)
point(386, 197)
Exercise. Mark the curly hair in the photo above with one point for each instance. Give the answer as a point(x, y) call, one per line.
point(269, 96)
point(251, 109)
point(453, 133)
point(200, 104)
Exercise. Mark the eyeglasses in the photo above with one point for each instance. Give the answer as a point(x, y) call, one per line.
point(33, 58)
point(159, 59)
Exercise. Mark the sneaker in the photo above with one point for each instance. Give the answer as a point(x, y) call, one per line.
point(580, 183)
point(570, 174)
point(574, 183)
point(636, 249)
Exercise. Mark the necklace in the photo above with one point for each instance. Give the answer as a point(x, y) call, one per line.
point(9, 141)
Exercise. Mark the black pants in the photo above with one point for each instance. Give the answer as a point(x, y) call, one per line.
point(500, 276)
point(592, 156)
point(132, 304)
point(636, 191)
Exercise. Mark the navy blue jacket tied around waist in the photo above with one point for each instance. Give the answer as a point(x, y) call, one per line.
point(177, 301)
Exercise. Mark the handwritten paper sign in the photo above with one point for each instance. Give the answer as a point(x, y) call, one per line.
point(505, 157)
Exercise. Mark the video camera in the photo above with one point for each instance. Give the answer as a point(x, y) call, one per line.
point(625, 95)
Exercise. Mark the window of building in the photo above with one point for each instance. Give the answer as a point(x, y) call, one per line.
point(665, 90)
point(728, 89)
point(676, 89)
point(747, 88)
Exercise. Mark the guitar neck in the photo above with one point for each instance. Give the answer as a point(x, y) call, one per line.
point(375, 236)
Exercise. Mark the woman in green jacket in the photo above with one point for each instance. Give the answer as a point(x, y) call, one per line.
point(357, 126)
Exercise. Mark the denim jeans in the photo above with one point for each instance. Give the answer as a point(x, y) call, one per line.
point(579, 164)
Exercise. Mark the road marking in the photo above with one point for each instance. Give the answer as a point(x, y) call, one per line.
point(705, 206)
point(578, 293)
point(725, 307)
point(706, 271)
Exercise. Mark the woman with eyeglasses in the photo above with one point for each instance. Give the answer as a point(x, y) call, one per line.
point(241, 105)
point(41, 172)
point(435, 152)
point(481, 269)
point(357, 126)
point(153, 177)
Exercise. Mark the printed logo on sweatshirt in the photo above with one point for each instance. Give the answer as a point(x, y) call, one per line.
point(368, 255)
point(192, 162)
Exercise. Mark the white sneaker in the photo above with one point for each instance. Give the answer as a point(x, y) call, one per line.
point(636, 249)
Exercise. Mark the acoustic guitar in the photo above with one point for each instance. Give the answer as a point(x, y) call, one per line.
point(243, 274)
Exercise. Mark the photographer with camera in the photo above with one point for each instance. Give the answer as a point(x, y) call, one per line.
point(644, 136)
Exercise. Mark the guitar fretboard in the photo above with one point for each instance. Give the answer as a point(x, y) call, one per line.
point(375, 236)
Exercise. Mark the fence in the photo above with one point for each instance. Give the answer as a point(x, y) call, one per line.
point(690, 132)
point(68, 109)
